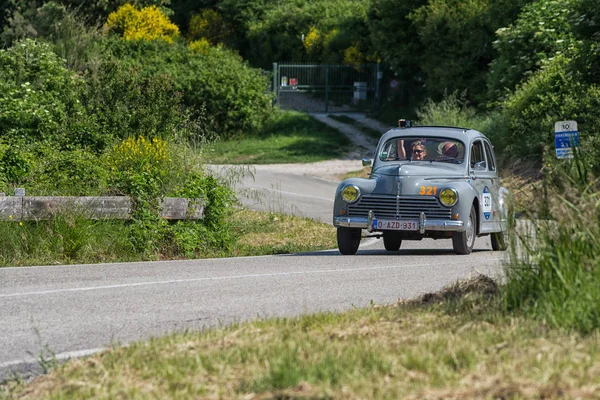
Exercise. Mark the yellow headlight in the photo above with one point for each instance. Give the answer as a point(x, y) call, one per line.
point(448, 197)
point(350, 194)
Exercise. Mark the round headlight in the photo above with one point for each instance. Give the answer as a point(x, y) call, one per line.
point(350, 193)
point(448, 197)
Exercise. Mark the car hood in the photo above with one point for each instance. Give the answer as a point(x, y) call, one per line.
point(421, 168)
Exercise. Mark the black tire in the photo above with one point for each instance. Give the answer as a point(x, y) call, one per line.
point(348, 240)
point(391, 241)
point(499, 242)
point(463, 242)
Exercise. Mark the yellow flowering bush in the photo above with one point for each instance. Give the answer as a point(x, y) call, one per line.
point(149, 23)
point(200, 46)
point(313, 40)
point(140, 155)
point(353, 56)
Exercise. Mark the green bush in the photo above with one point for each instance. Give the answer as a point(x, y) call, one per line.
point(121, 101)
point(56, 172)
point(454, 110)
point(542, 31)
point(439, 46)
point(233, 95)
point(38, 94)
point(547, 97)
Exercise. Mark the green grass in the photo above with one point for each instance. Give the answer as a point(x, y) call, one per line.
point(447, 345)
point(70, 239)
point(291, 137)
point(554, 274)
point(374, 133)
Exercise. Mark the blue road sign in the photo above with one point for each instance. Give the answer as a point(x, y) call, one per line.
point(566, 136)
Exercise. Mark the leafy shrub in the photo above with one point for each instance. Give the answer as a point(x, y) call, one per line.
point(214, 230)
point(455, 53)
point(545, 98)
point(542, 30)
point(122, 101)
point(200, 46)
point(262, 37)
point(149, 23)
point(56, 172)
point(38, 94)
point(439, 46)
point(454, 110)
point(71, 37)
point(234, 96)
point(14, 166)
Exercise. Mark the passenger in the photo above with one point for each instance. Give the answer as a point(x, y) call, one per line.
point(418, 151)
point(449, 151)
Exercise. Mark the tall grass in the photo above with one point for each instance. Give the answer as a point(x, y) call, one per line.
point(65, 239)
point(554, 270)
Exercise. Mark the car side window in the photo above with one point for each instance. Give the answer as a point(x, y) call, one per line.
point(490, 156)
point(477, 157)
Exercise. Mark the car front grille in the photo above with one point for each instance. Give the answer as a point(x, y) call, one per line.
point(403, 207)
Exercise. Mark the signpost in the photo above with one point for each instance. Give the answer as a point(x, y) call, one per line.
point(566, 136)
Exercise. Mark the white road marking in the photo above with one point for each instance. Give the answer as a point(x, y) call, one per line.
point(221, 278)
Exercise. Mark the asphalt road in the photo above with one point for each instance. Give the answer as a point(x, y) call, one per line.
point(76, 310)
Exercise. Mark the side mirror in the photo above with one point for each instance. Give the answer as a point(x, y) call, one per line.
point(366, 162)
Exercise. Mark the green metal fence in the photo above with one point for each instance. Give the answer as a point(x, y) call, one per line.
point(326, 88)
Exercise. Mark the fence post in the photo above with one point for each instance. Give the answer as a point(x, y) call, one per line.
point(326, 88)
point(275, 80)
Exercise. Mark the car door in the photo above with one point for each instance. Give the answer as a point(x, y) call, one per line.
point(496, 214)
point(482, 179)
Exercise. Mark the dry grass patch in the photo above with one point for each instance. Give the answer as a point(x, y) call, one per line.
point(275, 233)
point(523, 180)
point(434, 348)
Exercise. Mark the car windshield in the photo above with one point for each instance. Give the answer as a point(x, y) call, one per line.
point(423, 149)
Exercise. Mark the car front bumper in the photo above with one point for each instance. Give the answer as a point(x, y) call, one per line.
point(424, 224)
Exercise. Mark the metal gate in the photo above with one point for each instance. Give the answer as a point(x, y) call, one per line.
point(326, 88)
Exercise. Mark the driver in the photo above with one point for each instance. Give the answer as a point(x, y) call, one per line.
point(418, 152)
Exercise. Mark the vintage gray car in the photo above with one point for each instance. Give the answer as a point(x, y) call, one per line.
point(426, 181)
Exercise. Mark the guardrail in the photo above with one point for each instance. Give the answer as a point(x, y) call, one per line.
point(33, 208)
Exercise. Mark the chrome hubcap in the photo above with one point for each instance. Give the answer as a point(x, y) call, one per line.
point(470, 233)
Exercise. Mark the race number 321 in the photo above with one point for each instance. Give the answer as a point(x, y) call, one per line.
point(428, 191)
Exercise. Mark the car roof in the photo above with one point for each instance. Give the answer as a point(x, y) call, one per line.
point(451, 132)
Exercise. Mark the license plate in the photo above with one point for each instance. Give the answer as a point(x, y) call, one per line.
point(395, 225)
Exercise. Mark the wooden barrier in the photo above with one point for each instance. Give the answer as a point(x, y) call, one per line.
point(28, 208)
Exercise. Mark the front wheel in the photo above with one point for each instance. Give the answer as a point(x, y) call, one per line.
point(499, 241)
point(392, 241)
point(463, 242)
point(348, 240)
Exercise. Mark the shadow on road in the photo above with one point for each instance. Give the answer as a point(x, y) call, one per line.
point(378, 252)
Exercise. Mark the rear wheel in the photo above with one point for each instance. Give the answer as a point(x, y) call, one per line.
point(392, 241)
point(348, 240)
point(463, 242)
point(499, 241)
